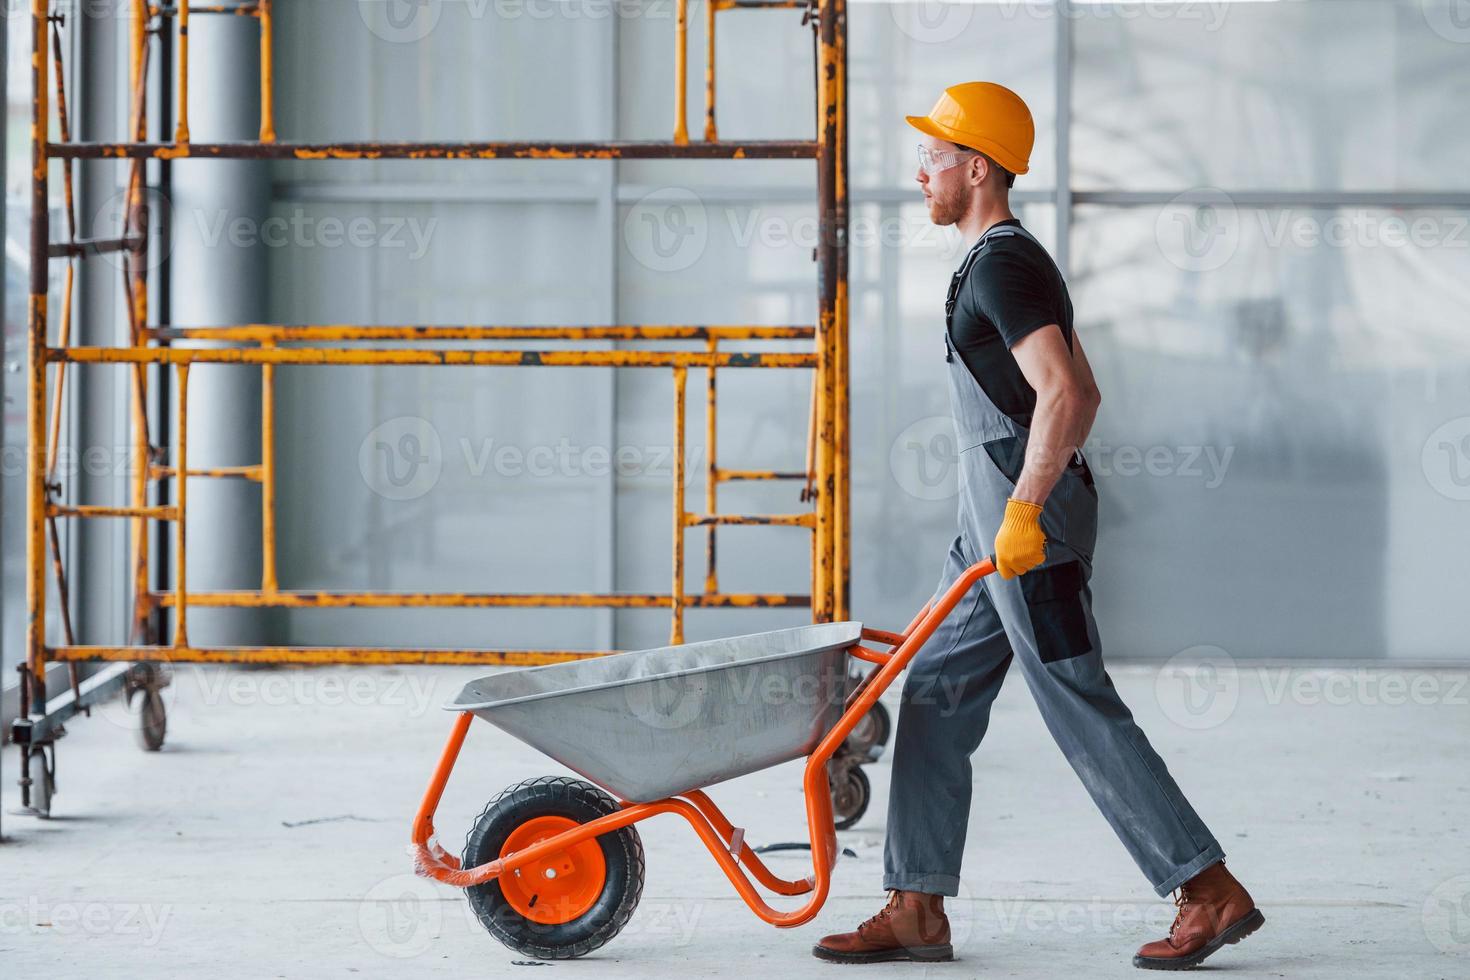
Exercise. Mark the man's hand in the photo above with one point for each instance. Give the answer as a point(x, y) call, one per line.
point(1020, 546)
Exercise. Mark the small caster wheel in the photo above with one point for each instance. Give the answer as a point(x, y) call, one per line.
point(850, 794)
point(43, 782)
point(568, 903)
point(869, 736)
point(150, 720)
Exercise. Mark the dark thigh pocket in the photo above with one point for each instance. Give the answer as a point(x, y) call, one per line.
point(1058, 618)
point(1009, 456)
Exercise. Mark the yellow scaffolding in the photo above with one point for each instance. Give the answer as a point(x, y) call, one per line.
point(822, 349)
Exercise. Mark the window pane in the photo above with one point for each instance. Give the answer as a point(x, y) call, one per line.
point(1285, 429)
point(1325, 94)
point(903, 55)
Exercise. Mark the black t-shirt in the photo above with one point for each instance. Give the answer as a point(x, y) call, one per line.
point(1012, 290)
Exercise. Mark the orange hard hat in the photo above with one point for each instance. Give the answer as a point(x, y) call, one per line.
point(983, 116)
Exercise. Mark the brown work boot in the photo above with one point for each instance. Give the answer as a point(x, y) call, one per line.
point(912, 926)
point(1214, 910)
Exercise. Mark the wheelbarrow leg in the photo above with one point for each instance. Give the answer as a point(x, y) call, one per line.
point(423, 822)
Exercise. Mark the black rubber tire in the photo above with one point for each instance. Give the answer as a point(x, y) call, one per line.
point(150, 719)
point(870, 736)
point(884, 722)
point(43, 784)
point(622, 850)
point(855, 795)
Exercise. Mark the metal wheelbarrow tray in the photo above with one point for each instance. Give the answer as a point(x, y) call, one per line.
point(553, 867)
point(657, 723)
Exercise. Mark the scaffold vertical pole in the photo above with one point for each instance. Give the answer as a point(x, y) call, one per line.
point(267, 73)
point(36, 352)
point(711, 473)
point(681, 71)
point(135, 280)
point(181, 487)
point(676, 630)
point(181, 131)
point(842, 436)
point(828, 72)
point(268, 581)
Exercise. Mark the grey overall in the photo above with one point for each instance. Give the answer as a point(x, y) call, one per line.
point(1044, 620)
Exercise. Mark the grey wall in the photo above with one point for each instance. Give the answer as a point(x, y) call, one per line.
point(1285, 397)
point(1282, 447)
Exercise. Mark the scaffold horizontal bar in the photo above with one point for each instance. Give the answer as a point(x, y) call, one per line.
point(774, 520)
point(93, 246)
point(303, 599)
point(255, 472)
point(317, 655)
point(242, 9)
point(616, 150)
point(346, 332)
point(761, 4)
point(469, 358)
point(161, 513)
point(731, 475)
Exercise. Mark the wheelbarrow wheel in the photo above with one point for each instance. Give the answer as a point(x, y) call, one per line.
point(870, 735)
point(571, 902)
point(850, 794)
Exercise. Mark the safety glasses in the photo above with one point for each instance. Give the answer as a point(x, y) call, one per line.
point(933, 161)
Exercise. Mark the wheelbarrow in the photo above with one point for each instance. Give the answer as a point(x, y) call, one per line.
point(553, 867)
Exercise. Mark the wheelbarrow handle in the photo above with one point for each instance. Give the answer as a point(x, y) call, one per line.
point(893, 662)
point(955, 592)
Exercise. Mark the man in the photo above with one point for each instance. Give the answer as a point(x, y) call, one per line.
point(1024, 399)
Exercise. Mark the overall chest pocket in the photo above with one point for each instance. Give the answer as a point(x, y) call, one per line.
point(1058, 619)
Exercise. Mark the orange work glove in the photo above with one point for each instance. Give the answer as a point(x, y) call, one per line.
point(1020, 546)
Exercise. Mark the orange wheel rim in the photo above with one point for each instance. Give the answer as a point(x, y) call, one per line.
point(559, 887)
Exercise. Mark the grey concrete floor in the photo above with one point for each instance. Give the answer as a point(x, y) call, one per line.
point(267, 839)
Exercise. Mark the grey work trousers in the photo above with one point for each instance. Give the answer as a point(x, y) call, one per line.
point(949, 689)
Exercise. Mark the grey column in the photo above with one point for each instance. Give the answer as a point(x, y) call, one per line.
point(219, 278)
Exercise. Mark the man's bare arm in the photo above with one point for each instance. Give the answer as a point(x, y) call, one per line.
point(1089, 384)
point(1066, 404)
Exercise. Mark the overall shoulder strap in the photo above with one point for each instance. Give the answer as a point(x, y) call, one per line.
point(1023, 233)
point(995, 231)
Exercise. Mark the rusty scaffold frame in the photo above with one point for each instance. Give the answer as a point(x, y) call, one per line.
point(825, 477)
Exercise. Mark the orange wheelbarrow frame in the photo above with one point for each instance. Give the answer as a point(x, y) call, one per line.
point(727, 848)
